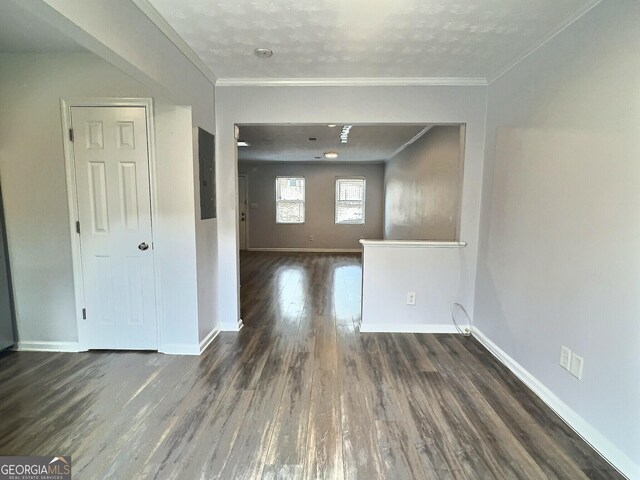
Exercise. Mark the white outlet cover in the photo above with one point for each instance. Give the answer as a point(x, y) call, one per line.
point(565, 357)
point(411, 298)
point(577, 364)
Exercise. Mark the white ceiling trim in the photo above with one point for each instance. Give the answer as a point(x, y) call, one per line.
point(348, 82)
point(568, 20)
point(159, 21)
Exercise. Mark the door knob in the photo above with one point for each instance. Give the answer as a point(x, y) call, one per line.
point(143, 246)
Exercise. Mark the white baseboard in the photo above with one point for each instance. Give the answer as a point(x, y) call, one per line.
point(47, 346)
point(227, 327)
point(309, 250)
point(406, 328)
point(180, 349)
point(618, 459)
point(206, 341)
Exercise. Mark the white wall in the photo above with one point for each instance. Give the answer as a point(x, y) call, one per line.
point(32, 172)
point(306, 104)
point(423, 186)
point(175, 248)
point(559, 262)
point(436, 275)
point(122, 34)
point(319, 205)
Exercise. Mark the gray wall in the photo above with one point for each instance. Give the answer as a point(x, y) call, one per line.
point(34, 184)
point(139, 48)
point(423, 187)
point(32, 172)
point(559, 261)
point(263, 232)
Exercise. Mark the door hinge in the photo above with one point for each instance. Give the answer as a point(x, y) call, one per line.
point(71, 134)
point(78, 228)
point(84, 313)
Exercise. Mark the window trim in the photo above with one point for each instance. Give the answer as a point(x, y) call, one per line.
point(364, 200)
point(303, 201)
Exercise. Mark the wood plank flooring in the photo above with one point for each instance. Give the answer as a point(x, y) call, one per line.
point(298, 393)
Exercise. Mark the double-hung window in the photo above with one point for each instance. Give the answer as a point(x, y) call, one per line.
point(350, 200)
point(289, 199)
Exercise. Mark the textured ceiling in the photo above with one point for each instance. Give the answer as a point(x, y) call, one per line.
point(21, 32)
point(291, 142)
point(365, 38)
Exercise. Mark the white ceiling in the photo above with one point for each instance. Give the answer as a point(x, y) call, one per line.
point(366, 38)
point(21, 32)
point(286, 143)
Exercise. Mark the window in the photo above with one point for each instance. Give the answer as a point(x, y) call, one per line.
point(289, 200)
point(350, 195)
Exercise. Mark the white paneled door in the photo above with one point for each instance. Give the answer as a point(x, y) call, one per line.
point(114, 208)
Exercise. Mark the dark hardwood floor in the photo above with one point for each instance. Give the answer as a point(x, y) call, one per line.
point(297, 393)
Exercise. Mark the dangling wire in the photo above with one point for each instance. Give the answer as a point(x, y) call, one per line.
point(467, 331)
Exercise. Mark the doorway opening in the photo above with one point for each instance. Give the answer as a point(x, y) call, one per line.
point(316, 190)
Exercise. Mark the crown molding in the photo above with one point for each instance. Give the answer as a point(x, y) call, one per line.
point(158, 20)
point(350, 82)
point(566, 22)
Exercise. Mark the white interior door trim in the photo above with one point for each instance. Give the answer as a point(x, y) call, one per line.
point(69, 163)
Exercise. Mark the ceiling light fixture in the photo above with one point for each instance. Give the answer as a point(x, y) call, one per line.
point(332, 125)
point(263, 52)
point(242, 144)
point(344, 134)
point(330, 155)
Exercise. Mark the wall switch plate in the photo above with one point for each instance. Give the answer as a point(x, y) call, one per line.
point(576, 366)
point(411, 298)
point(311, 238)
point(565, 357)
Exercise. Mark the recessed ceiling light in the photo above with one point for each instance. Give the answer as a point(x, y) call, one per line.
point(330, 155)
point(332, 125)
point(263, 52)
point(242, 144)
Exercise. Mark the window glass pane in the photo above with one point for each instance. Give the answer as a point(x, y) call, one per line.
point(350, 198)
point(290, 212)
point(289, 200)
point(290, 188)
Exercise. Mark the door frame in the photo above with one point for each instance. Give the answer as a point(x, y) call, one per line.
point(72, 196)
point(246, 202)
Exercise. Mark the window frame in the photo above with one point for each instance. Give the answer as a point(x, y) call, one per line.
point(303, 201)
point(364, 200)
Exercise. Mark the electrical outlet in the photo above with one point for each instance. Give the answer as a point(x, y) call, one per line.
point(565, 357)
point(576, 366)
point(411, 298)
point(311, 238)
